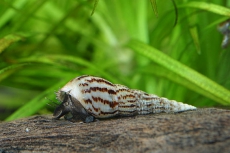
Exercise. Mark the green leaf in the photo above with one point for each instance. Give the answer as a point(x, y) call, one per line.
point(207, 7)
point(7, 71)
point(58, 60)
point(36, 103)
point(95, 5)
point(154, 6)
point(206, 86)
point(7, 41)
point(195, 37)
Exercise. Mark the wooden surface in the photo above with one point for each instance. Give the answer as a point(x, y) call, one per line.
point(204, 130)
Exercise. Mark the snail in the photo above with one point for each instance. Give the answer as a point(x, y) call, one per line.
point(88, 98)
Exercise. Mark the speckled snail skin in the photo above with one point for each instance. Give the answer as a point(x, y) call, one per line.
point(88, 97)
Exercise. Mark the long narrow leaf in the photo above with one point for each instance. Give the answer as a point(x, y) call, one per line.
point(207, 7)
point(7, 71)
point(209, 88)
point(7, 41)
point(55, 60)
point(35, 104)
point(94, 7)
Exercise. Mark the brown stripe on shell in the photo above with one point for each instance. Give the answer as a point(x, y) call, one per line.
point(112, 104)
point(112, 92)
point(123, 89)
point(94, 89)
point(89, 109)
point(132, 101)
point(88, 101)
point(128, 96)
point(149, 98)
point(164, 101)
point(128, 112)
point(106, 113)
point(127, 106)
point(96, 109)
point(150, 104)
point(86, 91)
point(83, 84)
point(100, 80)
point(81, 77)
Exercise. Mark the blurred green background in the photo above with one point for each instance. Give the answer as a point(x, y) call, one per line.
point(175, 53)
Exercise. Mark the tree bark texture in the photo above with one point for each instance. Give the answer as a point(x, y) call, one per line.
point(203, 130)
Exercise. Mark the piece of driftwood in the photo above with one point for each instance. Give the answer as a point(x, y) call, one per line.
point(204, 130)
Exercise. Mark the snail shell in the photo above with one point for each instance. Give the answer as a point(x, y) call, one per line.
point(88, 97)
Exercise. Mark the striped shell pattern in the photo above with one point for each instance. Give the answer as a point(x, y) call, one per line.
point(88, 97)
